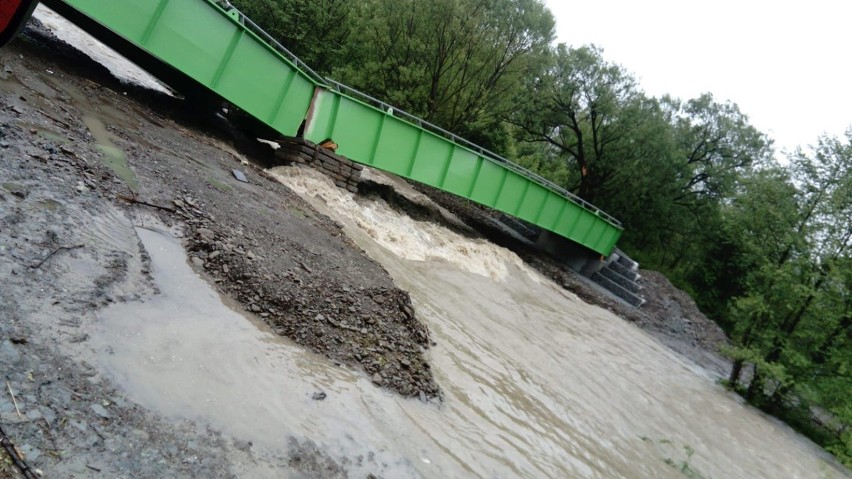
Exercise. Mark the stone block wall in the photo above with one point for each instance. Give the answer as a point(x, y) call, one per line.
point(345, 172)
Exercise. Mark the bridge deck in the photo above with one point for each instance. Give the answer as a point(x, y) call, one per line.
point(228, 55)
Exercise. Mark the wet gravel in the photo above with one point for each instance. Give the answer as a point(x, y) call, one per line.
point(84, 159)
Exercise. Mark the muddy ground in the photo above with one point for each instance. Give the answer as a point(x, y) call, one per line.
point(84, 159)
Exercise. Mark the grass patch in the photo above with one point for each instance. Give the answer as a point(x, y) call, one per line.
point(219, 185)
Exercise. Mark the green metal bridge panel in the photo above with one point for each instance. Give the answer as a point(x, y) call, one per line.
point(219, 52)
point(131, 17)
point(431, 160)
point(461, 172)
point(198, 46)
point(398, 147)
point(272, 91)
point(593, 233)
point(294, 101)
point(514, 188)
point(488, 185)
point(610, 239)
point(552, 209)
point(215, 50)
point(356, 129)
point(568, 219)
point(581, 227)
point(532, 203)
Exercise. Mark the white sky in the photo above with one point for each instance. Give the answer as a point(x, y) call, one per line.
point(786, 64)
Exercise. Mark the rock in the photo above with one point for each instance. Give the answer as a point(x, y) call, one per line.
point(240, 176)
point(30, 453)
point(48, 414)
point(214, 254)
point(13, 418)
point(9, 352)
point(251, 255)
point(100, 411)
point(319, 396)
point(378, 379)
point(422, 396)
point(80, 425)
point(197, 261)
point(204, 234)
point(405, 363)
point(226, 269)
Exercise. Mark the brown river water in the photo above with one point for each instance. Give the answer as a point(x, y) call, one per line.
point(537, 383)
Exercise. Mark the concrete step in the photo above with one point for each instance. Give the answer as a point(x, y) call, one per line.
point(618, 290)
point(623, 281)
point(624, 271)
point(625, 261)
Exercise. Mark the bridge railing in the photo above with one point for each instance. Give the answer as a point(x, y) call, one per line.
point(260, 32)
point(485, 153)
point(347, 90)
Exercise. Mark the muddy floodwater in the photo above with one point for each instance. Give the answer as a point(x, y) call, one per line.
point(537, 383)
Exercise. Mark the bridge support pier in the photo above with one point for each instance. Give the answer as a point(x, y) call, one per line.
point(575, 256)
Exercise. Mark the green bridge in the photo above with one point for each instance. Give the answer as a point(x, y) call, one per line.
point(195, 42)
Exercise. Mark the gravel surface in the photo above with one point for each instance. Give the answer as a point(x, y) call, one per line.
point(84, 159)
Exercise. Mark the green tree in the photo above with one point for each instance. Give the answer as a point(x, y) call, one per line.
point(581, 106)
point(717, 144)
point(793, 323)
point(455, 63)
point(314, 30)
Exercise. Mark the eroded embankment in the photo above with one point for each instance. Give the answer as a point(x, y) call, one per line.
point(82, 165)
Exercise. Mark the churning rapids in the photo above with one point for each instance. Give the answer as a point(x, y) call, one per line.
point(537, 383)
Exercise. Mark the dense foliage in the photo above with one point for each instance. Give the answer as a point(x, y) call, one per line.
point(762, 245)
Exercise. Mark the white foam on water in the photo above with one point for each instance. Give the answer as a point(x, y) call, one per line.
point(406, 237)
